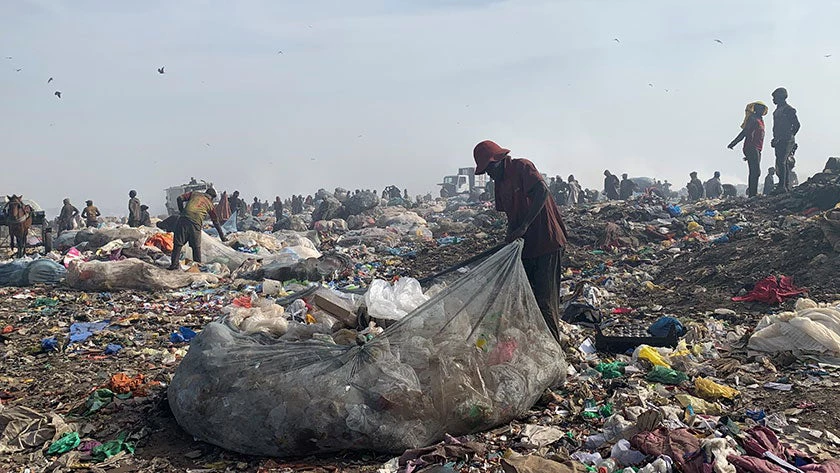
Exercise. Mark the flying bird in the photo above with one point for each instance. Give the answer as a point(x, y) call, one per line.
point(279, 52)
point(718, 41)
point(8, 57)
point(58, 94)
point(160, 70)
point(650, 84)
point(18, 70)
point(49, 80)
point(827, 55)
point(616, 40)
point(207, 144)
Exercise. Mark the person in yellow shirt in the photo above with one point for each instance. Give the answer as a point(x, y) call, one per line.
point(199, 205)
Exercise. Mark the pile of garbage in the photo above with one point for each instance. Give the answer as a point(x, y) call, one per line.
point(698, 337)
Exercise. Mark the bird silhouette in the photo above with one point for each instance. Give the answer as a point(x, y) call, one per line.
point(160, 70)
point(827, 55)
point(58, 94)
point(8, 57)
point(49, 80)
point(279, 52)
point(616, 40)
point(18, 70)
point(650, 84)
point(718, 41)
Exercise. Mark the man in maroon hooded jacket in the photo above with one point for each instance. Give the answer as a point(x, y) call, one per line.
point(532, 214)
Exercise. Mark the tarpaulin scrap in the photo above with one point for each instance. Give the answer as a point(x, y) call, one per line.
point(772, 290)
point(81, 331)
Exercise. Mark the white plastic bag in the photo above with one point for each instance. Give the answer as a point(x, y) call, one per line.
point(394, 302)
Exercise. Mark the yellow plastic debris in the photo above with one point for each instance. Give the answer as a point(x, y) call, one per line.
point(694, 227)
point(709, 389)
point(650, 286)
point(699, 406)
point(650, 354)
point(310, 319)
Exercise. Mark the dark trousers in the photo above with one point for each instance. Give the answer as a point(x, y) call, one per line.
point(783, 151)
point(186, 232)
point(754, 162)
point(544, 274)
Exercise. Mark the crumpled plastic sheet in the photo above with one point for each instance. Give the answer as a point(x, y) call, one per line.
point(811, 328)
point(475, 356)
point(388, 302)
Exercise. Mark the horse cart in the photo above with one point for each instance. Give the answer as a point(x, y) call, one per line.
point(40, 232)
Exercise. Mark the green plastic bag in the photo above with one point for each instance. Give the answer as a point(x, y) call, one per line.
point(67, 442)
point(661, 374)
point(111, 448)
point(611, 370)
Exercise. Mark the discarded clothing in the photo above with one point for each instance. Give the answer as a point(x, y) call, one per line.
point(677, 444)
point(162, 241)
point(772, 290)
point(535, 464)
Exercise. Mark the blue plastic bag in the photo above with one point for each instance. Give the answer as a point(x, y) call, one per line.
point(662, 327)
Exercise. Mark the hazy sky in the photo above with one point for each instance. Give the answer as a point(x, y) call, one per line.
point(369, 93)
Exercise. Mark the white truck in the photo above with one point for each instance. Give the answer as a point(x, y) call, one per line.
point(465, 182)
point(172, 193)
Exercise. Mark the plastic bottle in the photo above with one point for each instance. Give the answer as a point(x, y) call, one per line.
point(607, 466)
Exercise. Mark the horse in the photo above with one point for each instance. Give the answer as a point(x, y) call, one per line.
point(19, 219)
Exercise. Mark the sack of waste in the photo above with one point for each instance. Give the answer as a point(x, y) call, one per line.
point(28, 272)
point(129, 273)
point(476, 355)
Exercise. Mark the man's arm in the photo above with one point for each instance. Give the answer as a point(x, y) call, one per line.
point(85, 213)
point(180, 202)
point(539, 195)
point(218, 226)
point(794, 122)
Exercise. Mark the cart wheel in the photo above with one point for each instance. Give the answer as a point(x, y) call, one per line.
point(46, 235)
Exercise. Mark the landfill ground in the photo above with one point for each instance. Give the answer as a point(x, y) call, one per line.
point(637, 271)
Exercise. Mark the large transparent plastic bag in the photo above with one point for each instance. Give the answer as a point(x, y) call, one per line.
point(475, 356)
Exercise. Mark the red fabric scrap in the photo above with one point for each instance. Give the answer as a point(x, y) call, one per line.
point(622, 310)
point(772, 290)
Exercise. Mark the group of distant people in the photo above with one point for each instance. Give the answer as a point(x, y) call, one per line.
point(69, 217)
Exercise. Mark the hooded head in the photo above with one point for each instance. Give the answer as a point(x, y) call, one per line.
point(90, 202)
point(144, 207)
point(693, 174)
point(624, 176)
point(132, 194)
point(487, 152)
point(66, 201)
point(211, 192)
point(607, 173)
point(771, 170)
point(717, 174)
point(235, 194)
point(571, 177)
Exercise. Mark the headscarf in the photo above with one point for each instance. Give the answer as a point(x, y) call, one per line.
point(750, 110)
